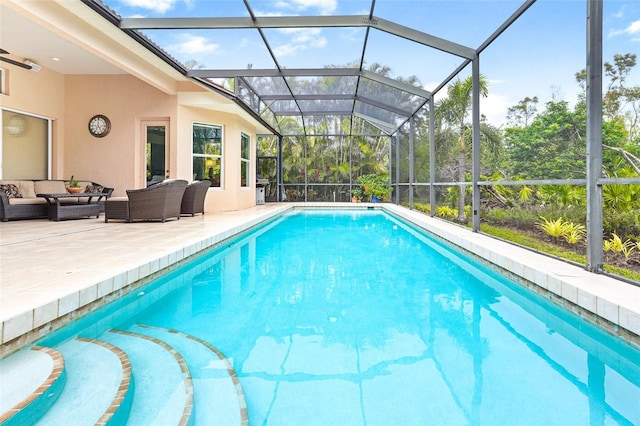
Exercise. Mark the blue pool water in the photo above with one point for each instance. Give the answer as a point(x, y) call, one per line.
point(355, 318)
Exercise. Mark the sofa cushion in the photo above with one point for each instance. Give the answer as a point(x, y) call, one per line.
point(16, 201)
point(11, 190)
point(49, 187)
point(26, 188)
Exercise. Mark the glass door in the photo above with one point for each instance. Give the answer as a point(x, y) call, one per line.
point(157, 161)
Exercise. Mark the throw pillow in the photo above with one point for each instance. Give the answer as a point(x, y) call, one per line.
point(93, 189)
point(11, 190)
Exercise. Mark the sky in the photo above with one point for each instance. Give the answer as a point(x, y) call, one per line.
point(536, 56)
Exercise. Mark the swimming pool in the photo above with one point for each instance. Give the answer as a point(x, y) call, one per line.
point(356, 318)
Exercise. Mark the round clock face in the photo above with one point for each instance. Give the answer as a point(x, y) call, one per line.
point(99, 126)
point(16, 125)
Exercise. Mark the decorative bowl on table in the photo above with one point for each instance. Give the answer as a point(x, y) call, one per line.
point(74, 190)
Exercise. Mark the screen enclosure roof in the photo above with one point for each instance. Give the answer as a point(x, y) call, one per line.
point(356, 67)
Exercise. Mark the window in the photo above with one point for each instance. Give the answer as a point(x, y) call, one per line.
point(25, 146)
point(207, 153)
point(245, 159)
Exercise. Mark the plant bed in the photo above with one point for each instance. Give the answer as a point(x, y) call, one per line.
point(532, 237)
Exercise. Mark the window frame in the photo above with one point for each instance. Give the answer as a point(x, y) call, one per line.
point(245, 163)
point(3, 81)
point(215, 183)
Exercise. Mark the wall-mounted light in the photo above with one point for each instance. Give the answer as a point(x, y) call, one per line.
point(34, 67)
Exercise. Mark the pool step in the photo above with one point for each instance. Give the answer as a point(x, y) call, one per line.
point(31, 381)
point(219, 399)
point(98, 387)
point(163, 384)
point(141, 375)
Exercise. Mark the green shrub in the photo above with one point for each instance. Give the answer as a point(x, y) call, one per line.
point(616, 245)
point(446, 212)
point(621, 223)
point(374, 185)
point(421, 207)
point(513, 216)
point(553, 228)
point(572, 233)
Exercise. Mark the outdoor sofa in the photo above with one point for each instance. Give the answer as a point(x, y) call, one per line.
point(18, 198)
point(156, 202)
point(193, 198)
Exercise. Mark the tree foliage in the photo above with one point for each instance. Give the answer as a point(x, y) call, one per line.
point(551, 147)
point(454, 113)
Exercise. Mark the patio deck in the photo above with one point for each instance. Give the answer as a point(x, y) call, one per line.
point(49, 269)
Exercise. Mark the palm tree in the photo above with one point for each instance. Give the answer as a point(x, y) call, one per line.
point(454, 110)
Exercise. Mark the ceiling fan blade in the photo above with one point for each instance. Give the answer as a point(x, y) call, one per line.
point(16, 63)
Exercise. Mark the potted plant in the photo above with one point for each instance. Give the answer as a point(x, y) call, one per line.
point(376, 187)
point(356, 195)
point(73, 187)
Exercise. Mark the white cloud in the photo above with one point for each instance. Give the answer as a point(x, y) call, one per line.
point(299, 30)
point(301, 39)
point(495, 107)
point(430, 86)
point(159, 6)
point(286, 50)
point(324, 7)
point(309, 36)
point(632, 30)
point(352, 34)
point(191, 46)
point(620, 13)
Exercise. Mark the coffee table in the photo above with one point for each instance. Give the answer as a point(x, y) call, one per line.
point(73, 210)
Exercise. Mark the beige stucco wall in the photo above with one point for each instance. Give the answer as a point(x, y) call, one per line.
point(118, 159)
point(38, 93)
point(231, 196)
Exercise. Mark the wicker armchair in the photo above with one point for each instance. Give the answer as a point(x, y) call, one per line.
point(193, 198)
point(157, 202)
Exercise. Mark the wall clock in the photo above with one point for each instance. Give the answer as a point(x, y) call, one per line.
point(99, 126)
point(16, 125)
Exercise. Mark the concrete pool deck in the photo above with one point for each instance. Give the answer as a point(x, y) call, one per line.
point(51, 269)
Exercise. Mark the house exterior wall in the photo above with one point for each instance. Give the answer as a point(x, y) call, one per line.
point(230, 196)
point(42, 94)
point(118, 159)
